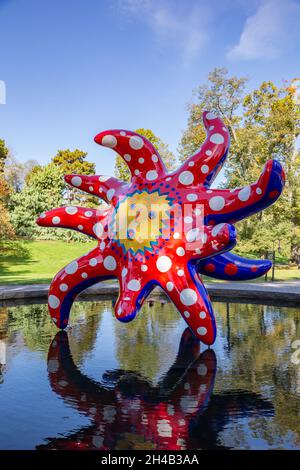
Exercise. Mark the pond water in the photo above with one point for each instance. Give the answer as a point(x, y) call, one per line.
point(148, 384)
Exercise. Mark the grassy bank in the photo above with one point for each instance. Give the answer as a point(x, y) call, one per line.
point(39, 261)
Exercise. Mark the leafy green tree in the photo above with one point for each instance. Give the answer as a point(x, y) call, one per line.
point(121, 169)
point(43, 192)
point(75, 162)
point(263, 124)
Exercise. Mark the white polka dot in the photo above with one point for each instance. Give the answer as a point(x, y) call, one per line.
point(136, 172)
point(191, 163)
point(197, 211)
point(141, 160)
point(217, 138)
point(201, 330)
point(192, 197)
point(71, 210)
point(244, 194)
point(202, 314)
point(211, 128)
point(136, 142)
point(170, 286)
point(186, 314)
point(55, 220)
point(43, 215)
point(72, 267)
point(180, 272)
point(98, 229)
point(102, 246)
point(80, 227)
point(211, 116)
point(53, 301)
point(88, 213)
point(169, 178)
point(84, 275)
point(63, 287)
point(76, 181)
point(93, 262)
point(193, 235)
point(188, 220)
point(110, 263)
point(202, 369)
point(163, 264)
point(124, 272)
point(134, 285)
point(217, 203)
point(109, 141)
point(204, 169)
point(258, 191)
point(144, 267)
point(103, 178)
point(151, 175)
point(217, 229)
point(186, 178)
point(180, 251)
point(53, 365)
point(91, 188)
point(209, 191)
point(154, 158)
point(122, 133)
point(110, 194)
point(127, 157)
point(176, 235)
point(188, 297)
point(208, 153)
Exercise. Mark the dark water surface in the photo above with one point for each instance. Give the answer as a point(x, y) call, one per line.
point(148, 384)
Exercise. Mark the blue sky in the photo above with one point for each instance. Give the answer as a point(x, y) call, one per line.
point(73, 68)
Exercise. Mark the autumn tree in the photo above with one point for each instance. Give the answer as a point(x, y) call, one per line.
point(6, 229)
point(263, 124)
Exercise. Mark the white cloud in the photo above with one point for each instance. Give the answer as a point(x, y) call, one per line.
point(186, 28)
point(268, 31)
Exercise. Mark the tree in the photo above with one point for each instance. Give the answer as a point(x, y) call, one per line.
point(263, 124)
point(6, 229)
point(222, 94)
point(16, 172)
point(74, 162)
point(121, 169)
point(42, 193)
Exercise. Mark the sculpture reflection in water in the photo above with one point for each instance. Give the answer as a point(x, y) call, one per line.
point(128, 412)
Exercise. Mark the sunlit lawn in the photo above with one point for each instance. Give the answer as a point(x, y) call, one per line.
point(43, 259)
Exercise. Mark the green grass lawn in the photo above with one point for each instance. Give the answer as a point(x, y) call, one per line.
point(41, 260)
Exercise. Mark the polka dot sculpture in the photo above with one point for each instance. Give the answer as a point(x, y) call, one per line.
point(174, 252)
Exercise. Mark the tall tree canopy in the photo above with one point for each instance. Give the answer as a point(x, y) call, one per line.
point(6, 229)
point(263, 124)
point(75, 162)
